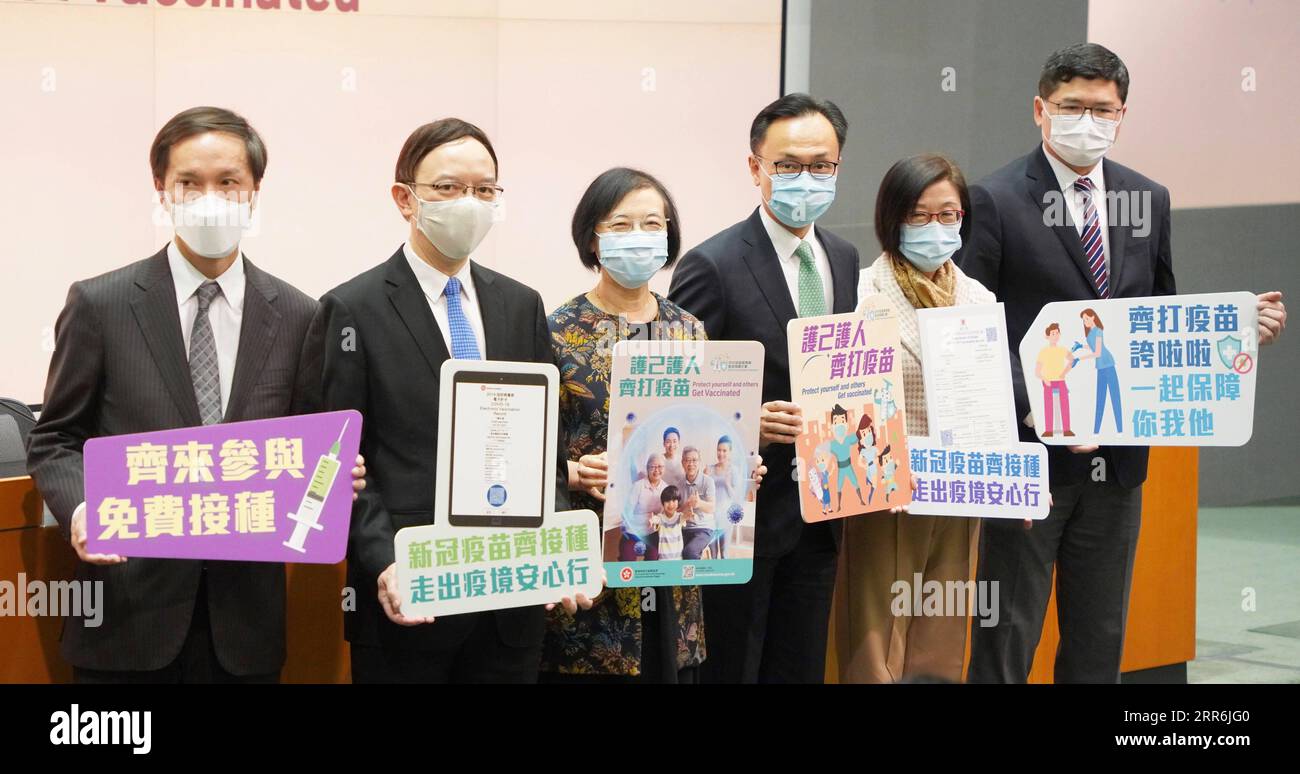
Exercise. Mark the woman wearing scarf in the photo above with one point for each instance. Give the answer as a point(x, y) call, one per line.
point(919, 212)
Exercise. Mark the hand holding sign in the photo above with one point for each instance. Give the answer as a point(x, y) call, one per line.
point(780, 422)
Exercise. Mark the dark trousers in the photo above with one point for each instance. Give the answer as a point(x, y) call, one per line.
point(773, 629)
point(480, 658)
point(197, 662)
point(1090, 535)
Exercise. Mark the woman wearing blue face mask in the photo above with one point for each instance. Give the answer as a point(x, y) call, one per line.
point(626, 229)
point(919, 212)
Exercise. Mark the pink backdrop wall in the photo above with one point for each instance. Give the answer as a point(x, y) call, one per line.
point(565, 88)
point(1215, 135)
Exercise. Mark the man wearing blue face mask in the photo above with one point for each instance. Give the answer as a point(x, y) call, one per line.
point(748, 282)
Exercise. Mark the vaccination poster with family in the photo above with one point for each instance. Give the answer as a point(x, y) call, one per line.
point(683, 446)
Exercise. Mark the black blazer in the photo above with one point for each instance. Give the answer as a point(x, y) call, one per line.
point(734, 284)
point(375, 347)
point(1028, 264)
point(120, 367)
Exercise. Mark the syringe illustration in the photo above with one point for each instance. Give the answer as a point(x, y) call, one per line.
point(322, 480)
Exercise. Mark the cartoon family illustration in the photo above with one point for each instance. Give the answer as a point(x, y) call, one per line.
point(842, 456)
point(1055, 362)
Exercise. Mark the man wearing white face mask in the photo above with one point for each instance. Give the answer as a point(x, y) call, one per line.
point(377, 345)
point(1026, 250)
point(194, 335)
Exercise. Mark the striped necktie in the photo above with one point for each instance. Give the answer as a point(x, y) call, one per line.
point(1093, 246)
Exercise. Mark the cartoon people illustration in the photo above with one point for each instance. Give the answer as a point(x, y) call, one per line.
point(886, 408)
point(842, 446)
point(867, 452)
point(1107, 378)
point(888, 470)
point(1054, 362)
point(819, 480)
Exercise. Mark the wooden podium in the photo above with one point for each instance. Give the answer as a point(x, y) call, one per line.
point(1161, 620)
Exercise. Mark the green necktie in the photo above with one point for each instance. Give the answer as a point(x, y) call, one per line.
point(812, 300)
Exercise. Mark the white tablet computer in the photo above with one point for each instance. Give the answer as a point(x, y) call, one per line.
point(501, 465)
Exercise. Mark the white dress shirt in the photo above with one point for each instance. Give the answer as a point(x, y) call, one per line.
point(1065, 178)
point(785, 244)
point(434, 283)
point(225, 313)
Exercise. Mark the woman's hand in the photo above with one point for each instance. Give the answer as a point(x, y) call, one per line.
point(592, 474)
point(903, 508)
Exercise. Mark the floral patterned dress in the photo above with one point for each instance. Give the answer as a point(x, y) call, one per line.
point(608, 639)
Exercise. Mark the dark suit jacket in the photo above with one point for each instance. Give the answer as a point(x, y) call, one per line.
point(1028, 264)
point(734, 284)
point(389, 372)
point(120, 367)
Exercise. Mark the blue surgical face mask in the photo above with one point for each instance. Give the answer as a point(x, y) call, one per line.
point(930, 246)
point(840, 431)
point(632, 258)
point(801, 200)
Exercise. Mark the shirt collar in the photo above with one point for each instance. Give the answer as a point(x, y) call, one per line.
point(783, 241)
point(434, 282)
point(187, 279)
point(1065, 176)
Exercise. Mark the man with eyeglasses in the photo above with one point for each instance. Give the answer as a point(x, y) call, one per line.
point(747, 282)
point(1114, 243)
point(377, 345)
point(195, 335)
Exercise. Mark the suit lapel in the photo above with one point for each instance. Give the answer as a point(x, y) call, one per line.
point(1118, 234)
point(844, 274)
point(156, 312)
point(491, 306)
point(257, 332)
point(408, 298)
point(1042, 181)
point(766, 268)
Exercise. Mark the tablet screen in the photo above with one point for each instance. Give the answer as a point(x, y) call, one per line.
point(498, 449)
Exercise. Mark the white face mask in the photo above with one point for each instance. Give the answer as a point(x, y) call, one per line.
point(211, 225)
point(1082, 141)
point(456, 226)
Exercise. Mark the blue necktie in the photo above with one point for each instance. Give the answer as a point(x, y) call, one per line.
point(463, 345)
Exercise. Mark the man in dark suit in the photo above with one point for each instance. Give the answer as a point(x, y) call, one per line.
point(378, 344)
point(747, 282)
point(195, 334)
point(1063, 224)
